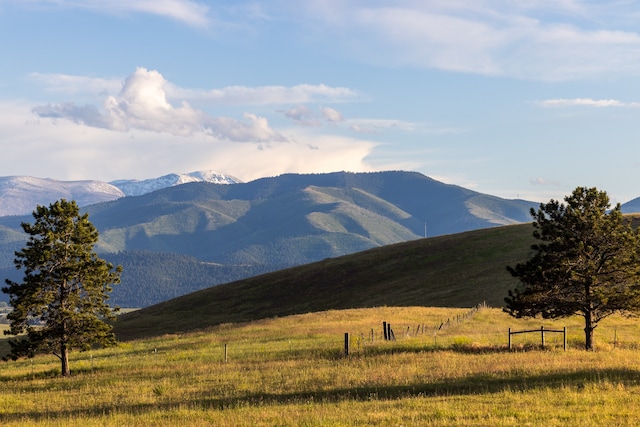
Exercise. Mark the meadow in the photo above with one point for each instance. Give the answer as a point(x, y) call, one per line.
point(293, 371)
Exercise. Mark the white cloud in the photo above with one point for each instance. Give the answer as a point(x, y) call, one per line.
point(539, 40)
point(302, 115)
point(61, 149)
point(232, 95)
point(254, 129)
point(375, 126)
point(70, 84)
point(186, 11)
point(189, 12)
point(312, 154)
point(242, 95)
point(306, 116)
point(587, 102)
point(142, 104)
point(539, 181)
point(332, 115)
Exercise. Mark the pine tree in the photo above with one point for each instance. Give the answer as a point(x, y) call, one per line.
point(61, 303)
point(587, 264)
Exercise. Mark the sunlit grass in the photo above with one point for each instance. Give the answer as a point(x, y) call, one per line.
point(292, 371)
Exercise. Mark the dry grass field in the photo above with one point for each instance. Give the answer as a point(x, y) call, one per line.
point(293, 371)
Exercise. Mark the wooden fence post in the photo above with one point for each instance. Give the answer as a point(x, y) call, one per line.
point(564, 333)
point(384, 329)
point(509, 338)
point(225, 353)
point(346, 343)
point(542, 336)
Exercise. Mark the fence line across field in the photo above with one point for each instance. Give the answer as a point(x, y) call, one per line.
point(542, 331)
point(388, 333)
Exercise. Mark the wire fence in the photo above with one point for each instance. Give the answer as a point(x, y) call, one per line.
point(390, 332)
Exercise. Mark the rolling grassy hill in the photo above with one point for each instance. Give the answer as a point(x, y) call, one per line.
point(458, 270)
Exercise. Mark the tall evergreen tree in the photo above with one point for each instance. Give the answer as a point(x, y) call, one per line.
point(61, 303)
point(587, 264)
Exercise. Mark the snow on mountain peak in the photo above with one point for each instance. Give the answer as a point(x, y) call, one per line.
point(134, 187)
point(19, 195)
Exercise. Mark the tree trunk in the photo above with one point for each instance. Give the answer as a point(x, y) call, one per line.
point(588, 331)
point(64, 359)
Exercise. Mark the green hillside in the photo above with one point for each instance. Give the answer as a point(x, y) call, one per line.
point(458, 270)
point(296, 219)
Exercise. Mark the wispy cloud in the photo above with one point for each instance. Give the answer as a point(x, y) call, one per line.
point(231, 95)
point(304, 115)
point(587, 102)
point(541, 40)
point(332, 115)
point(374, 126)
point(70, 84)
point(538, 40)
point(192, 13)
point(544, 182)
point(264, 95)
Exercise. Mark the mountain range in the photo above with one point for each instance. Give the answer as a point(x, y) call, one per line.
point(184, 237)
point(294, 219)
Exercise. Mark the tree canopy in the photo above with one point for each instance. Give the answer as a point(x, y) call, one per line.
point(61, 303)
point(587, 263)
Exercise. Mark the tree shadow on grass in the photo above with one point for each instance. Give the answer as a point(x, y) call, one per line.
point(471, 385)
point(456, 348)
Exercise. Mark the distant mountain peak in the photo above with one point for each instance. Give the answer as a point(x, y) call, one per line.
point(19, 195)
point(133, 187)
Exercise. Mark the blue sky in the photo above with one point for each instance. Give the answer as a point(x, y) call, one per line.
point(523, 99)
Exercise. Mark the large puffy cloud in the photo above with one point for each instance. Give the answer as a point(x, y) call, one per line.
point(62, 149)
point(145, 127)
point(142, 104)
point(147, 101)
